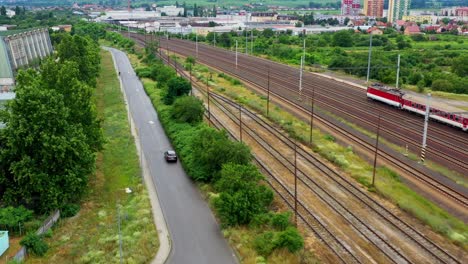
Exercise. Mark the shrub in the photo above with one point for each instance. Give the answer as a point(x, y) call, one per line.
point(176, 86)
point(281, 221)
point(290, 239)
point(264, 243)
point(11, 216)
point(240, 207)
point(188, 109)
point(69, 210)
point(34, 244)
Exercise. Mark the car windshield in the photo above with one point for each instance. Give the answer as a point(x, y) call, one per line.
point(170, 153)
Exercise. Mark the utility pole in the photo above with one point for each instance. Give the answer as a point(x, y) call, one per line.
point(120, 236)
point(311, 114)
point(302, 69)
point(295, 182)
point(196, 45)
point(268, 91)
point(369, 59)
point(251, 41)
point(208, 94)
point(214, 39)
point(246, 40)
point(376, 150)
point(240, 122)
point(426, 123)
point(398, 72)
point(236, 54)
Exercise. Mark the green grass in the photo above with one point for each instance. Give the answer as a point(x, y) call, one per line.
point(92, 236)
point(388, 183)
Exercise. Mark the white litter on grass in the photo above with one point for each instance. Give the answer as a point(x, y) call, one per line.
point(128, 190)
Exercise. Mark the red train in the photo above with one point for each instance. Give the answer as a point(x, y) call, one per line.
point(396, 98)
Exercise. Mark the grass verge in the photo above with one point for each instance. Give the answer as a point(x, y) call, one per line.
point(388, 183)
point(92, 236)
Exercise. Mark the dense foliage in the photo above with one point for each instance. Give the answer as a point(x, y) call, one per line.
point(11, 217)
point(34, 244)
point(52, 133)
point(188, 109)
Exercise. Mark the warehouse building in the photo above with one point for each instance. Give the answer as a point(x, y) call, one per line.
point(20, 49)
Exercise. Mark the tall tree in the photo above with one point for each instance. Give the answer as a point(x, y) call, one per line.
point(47, 156)
point(85, 53)
point(3, 11)
point(195, 10)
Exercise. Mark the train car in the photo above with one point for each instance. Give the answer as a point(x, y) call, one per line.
point(385, 94)
point(398, 99)
point(452, 119)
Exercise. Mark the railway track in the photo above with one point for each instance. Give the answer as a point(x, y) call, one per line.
point(374, 237)
point(452, 154)
point(305, 214)
point(398, 162)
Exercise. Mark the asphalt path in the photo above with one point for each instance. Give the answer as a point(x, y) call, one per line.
point(195, 235)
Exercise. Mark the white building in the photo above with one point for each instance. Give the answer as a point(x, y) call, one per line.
point(170, 10)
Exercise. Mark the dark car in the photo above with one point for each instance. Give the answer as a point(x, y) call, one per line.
point(170, 155)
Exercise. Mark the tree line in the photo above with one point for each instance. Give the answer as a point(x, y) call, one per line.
point(52, 133)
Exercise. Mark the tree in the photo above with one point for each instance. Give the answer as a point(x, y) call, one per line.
point(214, 10)
point(188, 109)
point(48, 158)
point(195, 10)
point(460, 65)
point(241, 196)
point(85, 53)
point(177, 86)
point(343, 38)
point(268, 33)
point(17, 11)
point(442, 85)
point(212, 149)
point(3, 11)
point(185, 9)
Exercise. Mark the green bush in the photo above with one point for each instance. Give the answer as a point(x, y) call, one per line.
point(176, 86)
point(264, 243)
point(281, 221)
point(10, 217)
point(69, 210)
point(290, 239)
point(34, 244)
point(188, 109)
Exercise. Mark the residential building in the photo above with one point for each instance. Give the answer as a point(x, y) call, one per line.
point(419, 19)
point(375, 31)
point(350, 7)
point(397, 9)
point(373, 8)
point(412, 30)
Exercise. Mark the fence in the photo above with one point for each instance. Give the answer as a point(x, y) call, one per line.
point(48, 223)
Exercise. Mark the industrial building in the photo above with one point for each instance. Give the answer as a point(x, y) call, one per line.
point(20, 49)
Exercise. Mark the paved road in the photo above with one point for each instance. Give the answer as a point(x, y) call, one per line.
point(195, 235)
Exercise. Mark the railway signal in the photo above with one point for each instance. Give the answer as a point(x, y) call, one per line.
point(196, 45)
